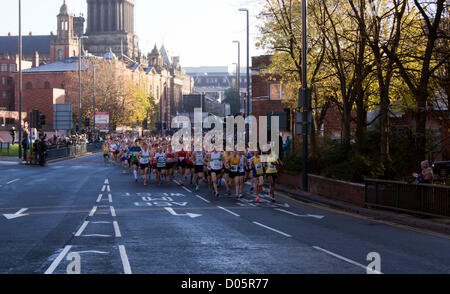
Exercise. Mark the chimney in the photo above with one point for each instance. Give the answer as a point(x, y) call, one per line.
point(36, 59)
point(30, 34)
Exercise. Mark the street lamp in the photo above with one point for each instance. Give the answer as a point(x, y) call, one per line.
point(238, 74)
point(20, 79)
point(248, 61)
point(306, 101)
point(80, 40)
point(94, 66)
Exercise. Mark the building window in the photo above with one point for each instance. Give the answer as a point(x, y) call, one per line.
point(3, 81)
point(63, 86)
point(29, 85)
point(12, 67)
point(60, 54)
point(275, 92)
point(46, 85)
point(5, 94)
point(4, 67)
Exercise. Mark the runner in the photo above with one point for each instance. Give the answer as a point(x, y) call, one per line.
point(190, 164)
point(181, 156)
point(216, 162)
point(241, 172)
point(272, 173)
point(106, 152)
point(135, 149)
point(124, 157)
point(227, 172)
point(113, 149)
point(144, 156)
point(258, 173)
point(160, 165)
point(199, 167)
point(234, 170)
point(170, 163)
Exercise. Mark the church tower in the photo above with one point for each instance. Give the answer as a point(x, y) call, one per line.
point(64, 46)
point(111, 25)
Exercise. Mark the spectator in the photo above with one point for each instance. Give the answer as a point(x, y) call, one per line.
point(426, 175)
point(13, 135)
point(25, 146)
point(287, 146)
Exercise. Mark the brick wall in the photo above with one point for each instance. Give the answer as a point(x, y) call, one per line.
point(333, 189)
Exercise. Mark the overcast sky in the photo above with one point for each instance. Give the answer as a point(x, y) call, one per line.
point(199, 31)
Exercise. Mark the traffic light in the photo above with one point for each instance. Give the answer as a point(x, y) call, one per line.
point(87, 122)
point(41, 119)
point(34, 119)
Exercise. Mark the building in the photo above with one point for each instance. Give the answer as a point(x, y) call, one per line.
point(111, 25)
point(213, 81)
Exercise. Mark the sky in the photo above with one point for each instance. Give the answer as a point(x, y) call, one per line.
point(201, 32)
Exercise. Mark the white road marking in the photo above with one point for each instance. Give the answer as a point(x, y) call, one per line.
point(103, 188)
point(94, 209)
point(117, 230)
point(13, 181)
point(307, 215)
point(80, 231)
point(97, 235)
point(107, 188)
point(172, 212)
point(56, 262)
point(113, 211)
point(101, 222)
point(186, 189)
point(272, 229)
point(346, 259)
point(207, 201)
point(125, 262)
point(106, 182)
point(91, 251)
point(17, 214)
point(110, 198)
point(229, 211)
point(99, 198)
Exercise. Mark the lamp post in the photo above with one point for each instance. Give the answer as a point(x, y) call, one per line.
point(80, 40)
point(306, 103)
point(20, 79)
point(248, 62)
point(94, 66)
point(238, 74)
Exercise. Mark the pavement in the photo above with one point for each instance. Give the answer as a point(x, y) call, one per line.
point(83, 213)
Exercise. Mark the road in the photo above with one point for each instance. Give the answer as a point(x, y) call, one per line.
point(51, 215)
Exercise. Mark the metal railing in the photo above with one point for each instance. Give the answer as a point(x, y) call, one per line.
point(72, 151)
point(421, 199)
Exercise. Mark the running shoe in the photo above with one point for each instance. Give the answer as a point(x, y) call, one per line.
point(197, 188)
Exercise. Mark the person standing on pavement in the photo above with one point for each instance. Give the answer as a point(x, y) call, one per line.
point(25, 146)
point(13, 135)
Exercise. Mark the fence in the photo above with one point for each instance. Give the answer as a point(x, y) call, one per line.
point(73, 151)
point(422, 199)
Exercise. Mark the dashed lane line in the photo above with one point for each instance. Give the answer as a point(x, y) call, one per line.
point(117, 230)
point(272, 229)
point(56, 262)
point(113, 211)
point(207, 201)
point(13, 181)
point(110, 198)
point(229, 211)
point(347, 260)
point(186, 189)
point(125, 262)
point(94, 209)
point(80, 231)
point(99, 198)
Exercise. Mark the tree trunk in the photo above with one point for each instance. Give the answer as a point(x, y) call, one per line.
point(421, 121)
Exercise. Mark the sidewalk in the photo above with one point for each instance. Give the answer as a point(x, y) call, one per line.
point(441, 225)
point(9, 160)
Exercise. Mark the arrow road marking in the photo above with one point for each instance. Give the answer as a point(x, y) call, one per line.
point(13, 181)
point(172, 212)
point(307, 215)
point(17, 214)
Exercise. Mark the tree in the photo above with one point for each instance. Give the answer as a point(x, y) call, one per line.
point(232, 99)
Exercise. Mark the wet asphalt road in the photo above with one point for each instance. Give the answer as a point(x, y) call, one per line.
point(51, 215)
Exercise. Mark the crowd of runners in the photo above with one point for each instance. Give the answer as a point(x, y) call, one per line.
point(154, 157)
